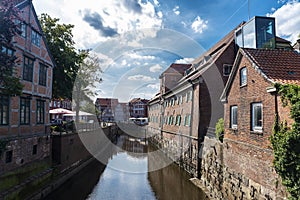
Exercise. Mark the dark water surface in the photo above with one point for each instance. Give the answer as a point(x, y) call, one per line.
point(126, 178)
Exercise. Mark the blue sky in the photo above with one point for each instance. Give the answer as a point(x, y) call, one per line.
point(136, 40)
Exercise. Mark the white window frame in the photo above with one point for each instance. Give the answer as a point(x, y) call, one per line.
point(233, 110)
point(243, 76)
point(254, 126)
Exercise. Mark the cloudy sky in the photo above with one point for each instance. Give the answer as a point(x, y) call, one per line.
point(136, 40)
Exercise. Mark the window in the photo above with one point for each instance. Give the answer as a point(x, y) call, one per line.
point(190, 95)
point(28, 69)
point(184, 120)
point(233, 117)
point(172, 102)
point(8, 156)
point(22, 27)
point(4, 107)
point(187, 97)
point(189, 120)
point(40, 111)
point(226, 69)
point(24, 111)
point(243, 76)
point(256, 111)
point(43, 75)
point(178, 120)
point(34, 149)
point(35, 38)
point(7, 51)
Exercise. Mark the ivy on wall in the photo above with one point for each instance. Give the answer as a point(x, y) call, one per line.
point(286, 141)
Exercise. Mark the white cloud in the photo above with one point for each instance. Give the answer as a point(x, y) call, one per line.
point(199, 25)
point(160, 14)
point(185, 60)
point(154, 86)
point(155, 68)
point(124, 62)
point(288, 21)
point(176, 10)
point(140, 77)
point(156, 2)
point(114, 15)
point(140, 57)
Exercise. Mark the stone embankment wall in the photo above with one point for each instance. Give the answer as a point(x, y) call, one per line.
point(232, 171)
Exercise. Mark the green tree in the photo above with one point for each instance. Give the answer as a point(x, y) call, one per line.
point(84, 87)
point(9, 82)
point(220, 129)
point(67, 58)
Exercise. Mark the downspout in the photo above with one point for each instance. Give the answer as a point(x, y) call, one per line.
point(162, 115)
point(200, 140)
point(191, 120)
point(274, 91)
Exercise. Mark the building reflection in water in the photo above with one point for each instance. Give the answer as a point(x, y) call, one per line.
point(126, 176)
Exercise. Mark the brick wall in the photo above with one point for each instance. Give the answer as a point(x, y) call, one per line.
point(22, 152)
point(246, 153)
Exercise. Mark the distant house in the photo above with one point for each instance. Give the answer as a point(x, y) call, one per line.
point(138, 107)
point(251, 102)
point(122, 112)
point(111, 110)
point(24, 120)
point(61, 103)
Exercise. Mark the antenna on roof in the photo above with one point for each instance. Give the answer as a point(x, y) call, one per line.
point(248, 9)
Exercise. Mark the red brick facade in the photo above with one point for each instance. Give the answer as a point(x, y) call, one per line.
point(248, 151)
point(27, 129)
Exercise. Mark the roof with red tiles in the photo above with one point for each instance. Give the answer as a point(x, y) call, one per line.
point(275, 65)
point(137, 100)
point(107, 101)
point(280, 66)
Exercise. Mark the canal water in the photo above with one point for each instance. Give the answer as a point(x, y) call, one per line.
point(125, 177)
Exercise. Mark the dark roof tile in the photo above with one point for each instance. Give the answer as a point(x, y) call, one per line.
point(280, 66)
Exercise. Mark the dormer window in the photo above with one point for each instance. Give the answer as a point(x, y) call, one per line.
point(243, 76)
point(226, 69)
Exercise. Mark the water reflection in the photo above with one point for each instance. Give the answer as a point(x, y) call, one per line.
point(126, 177)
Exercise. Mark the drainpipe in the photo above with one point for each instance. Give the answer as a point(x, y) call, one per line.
point(200, 139)
point(162, 109)
point(273, 91)
point(192, 113)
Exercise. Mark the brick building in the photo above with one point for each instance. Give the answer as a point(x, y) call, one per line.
point(251, 102)
point(188, 107)
point(138, 107)
point(24, 124)
point(106, 109)
point(185, 112)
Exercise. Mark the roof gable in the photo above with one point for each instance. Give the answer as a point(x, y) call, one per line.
point(276, 66)
point(22, 5)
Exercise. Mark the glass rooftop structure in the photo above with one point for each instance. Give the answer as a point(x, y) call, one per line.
point(259, 32)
